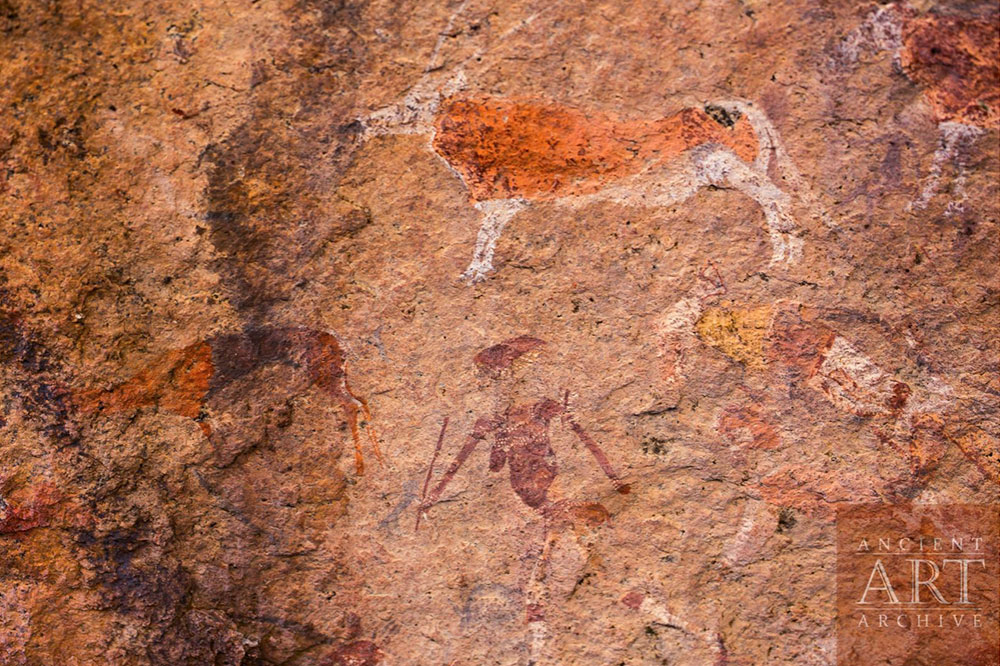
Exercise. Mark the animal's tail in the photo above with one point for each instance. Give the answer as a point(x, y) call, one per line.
point(414, 114)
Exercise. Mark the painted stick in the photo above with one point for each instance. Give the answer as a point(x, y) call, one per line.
point(430, 471)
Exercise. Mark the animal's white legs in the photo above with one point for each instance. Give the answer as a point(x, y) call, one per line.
point(496, 214)
point(718, 166)
point(771, 152)
point(955, 140)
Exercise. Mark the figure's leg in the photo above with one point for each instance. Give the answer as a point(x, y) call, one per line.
point(955, 140)
point(351, 409)
point(967, 135)
point(944, 149)
point(721, 167)
point(362, 405)
point(496, 214)
point(536, 595)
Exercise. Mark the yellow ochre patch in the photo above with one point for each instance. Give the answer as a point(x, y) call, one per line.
point(737, 332)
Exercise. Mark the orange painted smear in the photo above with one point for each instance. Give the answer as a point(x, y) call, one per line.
point(180, 380)
point(956, 60)
point(507, 149)
point(751, 420)
point(177, 381)
point(24, 514)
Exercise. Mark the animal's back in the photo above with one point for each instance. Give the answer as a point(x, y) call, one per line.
point(506, 148)
point(956, 60)
point(181, 379)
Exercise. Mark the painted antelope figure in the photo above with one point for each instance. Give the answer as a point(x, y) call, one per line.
point(955, 60)
point(184, 380)
point(512, 153)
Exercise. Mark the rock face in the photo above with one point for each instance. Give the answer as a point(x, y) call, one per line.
point(729, 266)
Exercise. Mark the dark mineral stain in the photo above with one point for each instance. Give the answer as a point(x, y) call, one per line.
point(786, 519)
point(265, 200)
point(37, 385)
point(156, 592)
point(722, 116)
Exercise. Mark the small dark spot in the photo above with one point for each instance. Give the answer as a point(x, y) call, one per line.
point(654, 446)
point(353, 127)
point(786, 519)
point(44, 140)
point(8, 10)
point(724, 117)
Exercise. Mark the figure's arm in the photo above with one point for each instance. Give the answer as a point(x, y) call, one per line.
point(482, 428)
point(598, 453)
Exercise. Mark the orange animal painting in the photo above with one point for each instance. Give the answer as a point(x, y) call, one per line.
point(182, 381)
point(513, 153)
point(507, 149)
point(955, 61)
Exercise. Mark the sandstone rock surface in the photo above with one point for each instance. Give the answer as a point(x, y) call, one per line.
point(359, 332)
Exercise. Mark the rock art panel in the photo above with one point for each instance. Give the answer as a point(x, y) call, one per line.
point(729, 277)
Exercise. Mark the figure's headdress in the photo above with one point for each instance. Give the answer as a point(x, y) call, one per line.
point(499, 357)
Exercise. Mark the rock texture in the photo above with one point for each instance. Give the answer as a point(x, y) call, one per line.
point(728, 266)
